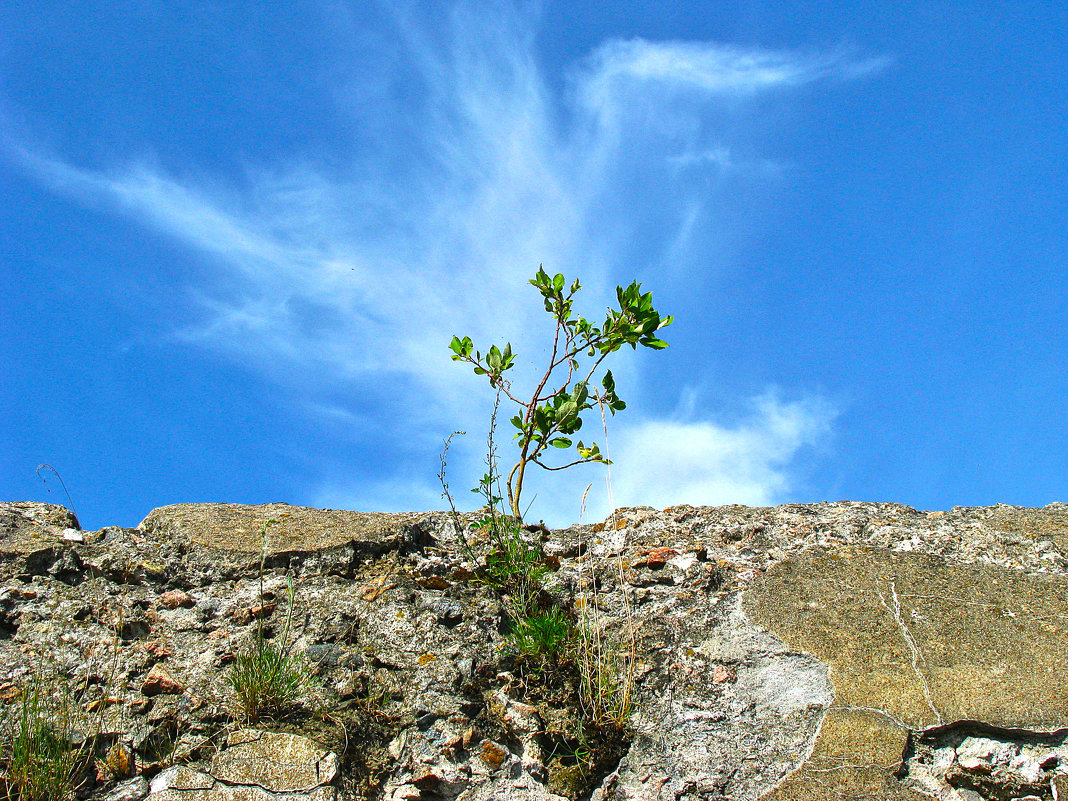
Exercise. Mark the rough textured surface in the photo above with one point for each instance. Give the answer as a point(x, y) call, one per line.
point(914, 643)
point(924, 641)
point(276, 761)
point(254, 765)
point(287, 529)
point(27, 528)
point(823, 651)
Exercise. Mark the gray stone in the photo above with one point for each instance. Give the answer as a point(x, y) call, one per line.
point(276, 761)
point(134, 789)
point(255, 766)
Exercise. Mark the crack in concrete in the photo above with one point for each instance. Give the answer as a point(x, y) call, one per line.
point(917, 656)
point(875, 711)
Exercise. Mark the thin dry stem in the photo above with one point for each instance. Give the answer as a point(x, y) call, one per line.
point(607, 667)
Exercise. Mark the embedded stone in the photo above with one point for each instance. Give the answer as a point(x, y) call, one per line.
point(276, 761)
point(160, 681)
point(172, 599)
point(917, 642)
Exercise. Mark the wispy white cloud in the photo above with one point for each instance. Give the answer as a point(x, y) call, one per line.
point(724, 160)
point(346, 274)
point(638, 79)
point(706, 67)
point(665, 462)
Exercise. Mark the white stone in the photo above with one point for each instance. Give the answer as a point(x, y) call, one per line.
point(1027, 768)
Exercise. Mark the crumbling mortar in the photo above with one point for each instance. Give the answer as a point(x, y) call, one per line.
point(921, 767)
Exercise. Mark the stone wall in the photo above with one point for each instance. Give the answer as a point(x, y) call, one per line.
point(823, 651)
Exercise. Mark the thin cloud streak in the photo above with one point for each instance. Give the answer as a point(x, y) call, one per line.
point(703, 66)
point(304, 271)
point(624, 77)
point(667, 462)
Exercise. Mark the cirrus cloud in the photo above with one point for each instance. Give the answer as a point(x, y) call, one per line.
point(305, 263)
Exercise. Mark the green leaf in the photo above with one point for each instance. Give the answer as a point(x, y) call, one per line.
point(560, 442)
point(460, 347)
point(541, 278)
point(541, 419)
point(571, 426)
point(579, 394)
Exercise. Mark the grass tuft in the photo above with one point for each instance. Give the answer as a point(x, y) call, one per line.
point(544, 635)
point(267, 679)
point(44, 762)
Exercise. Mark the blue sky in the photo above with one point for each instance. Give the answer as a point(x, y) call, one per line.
point(238, 237)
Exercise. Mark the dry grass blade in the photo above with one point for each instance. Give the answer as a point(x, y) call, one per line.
point(606, 664)
point(45, 761)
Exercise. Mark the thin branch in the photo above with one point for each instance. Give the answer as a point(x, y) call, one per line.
point(562, 467)
point(503, 385)
point(570, 356)
point(545, 378)
point(500, 383)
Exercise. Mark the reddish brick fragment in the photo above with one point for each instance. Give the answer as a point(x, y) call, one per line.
point(658, 557)
point(160, 681)
point(175, 598)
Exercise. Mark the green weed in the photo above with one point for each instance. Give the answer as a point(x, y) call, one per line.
point(552, 413)
point(543, 636)
point(267, 679)
point(606, 672)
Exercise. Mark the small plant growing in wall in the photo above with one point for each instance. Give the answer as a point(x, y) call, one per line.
point(267, 677)
point(558, 656)
point(43, 760)
point(551, 414)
